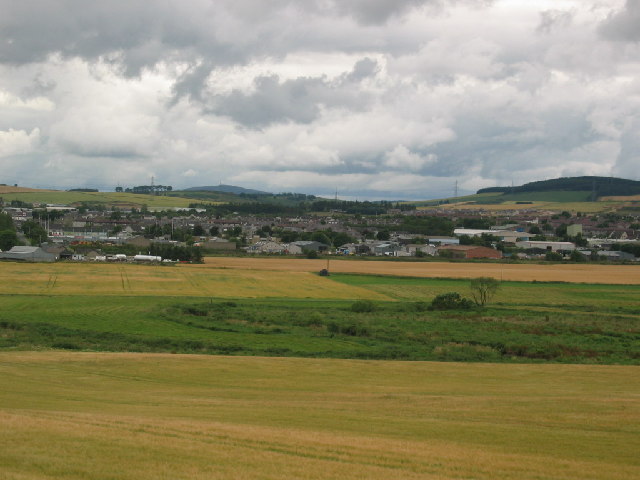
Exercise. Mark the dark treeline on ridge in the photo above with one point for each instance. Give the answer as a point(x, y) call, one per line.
point(601, 186)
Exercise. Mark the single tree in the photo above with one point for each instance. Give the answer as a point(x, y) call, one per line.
point(483, 289)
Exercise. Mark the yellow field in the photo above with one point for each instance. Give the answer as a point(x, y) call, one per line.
point(4, 189)
point(138, 417)
point(180, 280)
point(573, 273)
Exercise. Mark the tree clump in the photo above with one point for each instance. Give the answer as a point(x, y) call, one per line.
point(450, 301)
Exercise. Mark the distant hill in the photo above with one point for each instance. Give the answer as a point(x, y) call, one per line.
point(226, 189)
point(599, 186)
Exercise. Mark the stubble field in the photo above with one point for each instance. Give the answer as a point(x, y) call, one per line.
point(126, 416)
point(104, 279)
point(525, 272)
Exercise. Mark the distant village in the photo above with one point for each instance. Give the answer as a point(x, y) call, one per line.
point(65, 232)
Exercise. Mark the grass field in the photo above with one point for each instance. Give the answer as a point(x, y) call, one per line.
point(126, 416)
point(525, 272)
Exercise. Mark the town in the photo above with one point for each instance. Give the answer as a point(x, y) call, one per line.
point(50, 232)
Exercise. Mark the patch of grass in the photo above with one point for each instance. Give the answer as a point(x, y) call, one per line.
point(316, 328)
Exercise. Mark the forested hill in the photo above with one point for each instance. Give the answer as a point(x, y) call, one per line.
point(601, 186)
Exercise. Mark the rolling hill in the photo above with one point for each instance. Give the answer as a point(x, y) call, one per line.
point(590, 187)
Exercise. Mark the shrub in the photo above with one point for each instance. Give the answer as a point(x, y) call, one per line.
point(553, 257)
point(363, 306)
point(450, 301)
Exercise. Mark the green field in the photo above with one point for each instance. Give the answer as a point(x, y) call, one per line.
point(125, 416)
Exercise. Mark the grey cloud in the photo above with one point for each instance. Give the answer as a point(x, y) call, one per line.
point(364, 68)
point(298, 100)
point(550, 19)
point(133, 33)
point(272, 102)
point(39, 86)
point(137, 34)
point(623, 25)
point(377, 11)
point(192, 82)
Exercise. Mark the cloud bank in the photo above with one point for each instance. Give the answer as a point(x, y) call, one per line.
point(377, 99)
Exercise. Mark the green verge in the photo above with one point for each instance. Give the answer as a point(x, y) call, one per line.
point(525, 322)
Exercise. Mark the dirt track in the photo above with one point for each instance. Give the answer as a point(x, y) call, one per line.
point(578, 273)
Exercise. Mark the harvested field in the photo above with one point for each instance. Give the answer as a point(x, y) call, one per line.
point(105, 279)
point(571, 273)
point(4, 189)
point(132, 416)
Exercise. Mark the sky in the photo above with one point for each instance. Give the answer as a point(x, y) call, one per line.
point(374, 99)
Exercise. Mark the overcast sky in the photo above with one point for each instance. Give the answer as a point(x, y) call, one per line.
point(375, 98)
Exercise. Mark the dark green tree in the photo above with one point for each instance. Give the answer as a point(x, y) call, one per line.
point(8, 239)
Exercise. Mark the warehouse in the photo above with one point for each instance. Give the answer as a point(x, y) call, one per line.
point(28, 254)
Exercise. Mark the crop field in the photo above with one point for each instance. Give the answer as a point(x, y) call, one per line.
point(526, 272)
point(140, 416)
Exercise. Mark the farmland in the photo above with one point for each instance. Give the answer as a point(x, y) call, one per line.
point(128, 416)
point(108, 198)
point(548, 389)
point(571, 273)
point(145, 280)
point(203, 309)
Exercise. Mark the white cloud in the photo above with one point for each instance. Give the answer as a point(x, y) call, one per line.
point(401, 158)
point(18, 142)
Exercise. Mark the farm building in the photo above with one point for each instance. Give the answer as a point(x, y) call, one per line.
point(28, 254)
point(217, 244)
point(469, 251)
point(308, 245)
point(508, 236)
point(549, 246)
